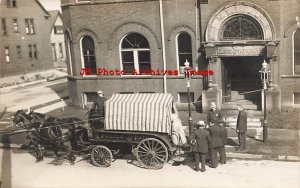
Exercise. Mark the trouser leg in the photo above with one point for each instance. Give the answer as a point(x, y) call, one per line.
point(243, 141)
point(213, 157)
point(197, 159)
point(240, 140)
point(202, 156)
point(222, 154)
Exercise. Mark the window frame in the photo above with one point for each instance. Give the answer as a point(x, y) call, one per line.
point(82, 55)
point(135, 52)
point(7, 54)
point(295, 105)
point(177, 51)
point(19, 51)
point(294, 52)
point(16, 25)
point(4, 26)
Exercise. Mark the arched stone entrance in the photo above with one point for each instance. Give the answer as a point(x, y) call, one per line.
point(239, 37)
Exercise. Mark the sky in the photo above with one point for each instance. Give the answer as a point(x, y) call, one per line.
point(51, 4)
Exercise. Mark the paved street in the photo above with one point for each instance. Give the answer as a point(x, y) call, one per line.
point(22, 172)
point(29, 96)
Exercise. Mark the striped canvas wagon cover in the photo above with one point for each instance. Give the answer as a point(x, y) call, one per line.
point(139, 112)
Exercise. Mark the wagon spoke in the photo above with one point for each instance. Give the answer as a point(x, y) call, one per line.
point(155, 145)
point(144, 149)
point(146, 146)
point(161, 147)
point(159, 159)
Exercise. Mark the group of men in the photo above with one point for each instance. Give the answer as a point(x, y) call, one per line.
point(210, 139)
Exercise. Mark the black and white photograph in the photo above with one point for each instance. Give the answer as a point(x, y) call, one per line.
point(150, 93)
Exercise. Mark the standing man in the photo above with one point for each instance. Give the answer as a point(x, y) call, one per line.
point(200, 145)
point(241, 127)
point(223, 135)
point(214, 144)
point(214, 116)
point(97, 113)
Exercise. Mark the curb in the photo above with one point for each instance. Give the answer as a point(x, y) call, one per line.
point(229, 155)
point(247, 156)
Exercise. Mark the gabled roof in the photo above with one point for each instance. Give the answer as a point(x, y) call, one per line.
point(43, 8)
point(53, 17)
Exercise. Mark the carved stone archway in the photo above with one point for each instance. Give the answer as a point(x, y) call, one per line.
point(239, 8)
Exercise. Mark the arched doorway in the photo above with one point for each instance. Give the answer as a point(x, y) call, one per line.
point(237, 36)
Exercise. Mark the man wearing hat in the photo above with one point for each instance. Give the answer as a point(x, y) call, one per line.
point(214, 116)
point(97, 112)
point(241, 127)
point(199, 140)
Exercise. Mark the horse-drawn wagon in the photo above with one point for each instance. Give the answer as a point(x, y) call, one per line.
point(146, 123)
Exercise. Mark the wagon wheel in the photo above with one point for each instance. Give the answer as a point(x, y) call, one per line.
point(101, 156)
point(152, 153)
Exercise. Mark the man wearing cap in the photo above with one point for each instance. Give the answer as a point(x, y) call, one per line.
point(241, 127)
point(97, 112)
point(214, 116)
point(200, 139)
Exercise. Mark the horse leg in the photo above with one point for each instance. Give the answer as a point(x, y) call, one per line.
point(39, 153)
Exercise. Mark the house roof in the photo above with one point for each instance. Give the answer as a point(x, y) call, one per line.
point(53, 17)
point(43, 8)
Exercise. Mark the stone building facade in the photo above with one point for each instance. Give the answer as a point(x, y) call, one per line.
point(25, 39)
point(231, 38)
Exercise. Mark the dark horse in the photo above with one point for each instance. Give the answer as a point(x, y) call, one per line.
point(50, 132)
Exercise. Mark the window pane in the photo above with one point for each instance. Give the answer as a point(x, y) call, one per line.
point(128, 67)
point(184, 43)
point(144, 56)
point(135, 40)
point(145, 66)
point(127, 56)
point(184, 97)
point(183, 58)
point(296, 98)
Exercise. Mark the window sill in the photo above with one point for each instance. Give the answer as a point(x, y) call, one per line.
point(291, 76)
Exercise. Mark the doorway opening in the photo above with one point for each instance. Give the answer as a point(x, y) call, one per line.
point(241, 78)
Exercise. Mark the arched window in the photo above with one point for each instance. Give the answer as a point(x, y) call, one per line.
point(69, 52)
point(241, 27)
point(184, 47)
point(135, 52)
point(297, 52)
point(88, 54)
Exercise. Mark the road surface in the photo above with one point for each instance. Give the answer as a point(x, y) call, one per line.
point(19, 170)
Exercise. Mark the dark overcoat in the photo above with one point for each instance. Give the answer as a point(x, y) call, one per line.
point(223, 135)
point(214, 117)
point(98, 106)
point(202, 139)
point(242, 122)
point(215, 139)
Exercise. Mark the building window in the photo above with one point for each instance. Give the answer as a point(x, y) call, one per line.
point(19, 51)
point(135, 53)
point(88, 54)
point(61, 55)
point(297, 99)
point(4, 30)
point(58, 29)
point(16, 26)
point(184, 49)
point(35, 53)
point(12, 3)
point(297, 52)
point(29, 26)
point(7, 57)
point(241, 27)
point(30, 51)
point(183, 97)
point(53, 52)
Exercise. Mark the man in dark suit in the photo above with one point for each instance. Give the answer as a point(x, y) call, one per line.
point(214, 116)
point(241, 127)
point(97, 113)
point(223, 135)
point(214, 144)
point(200, 138)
